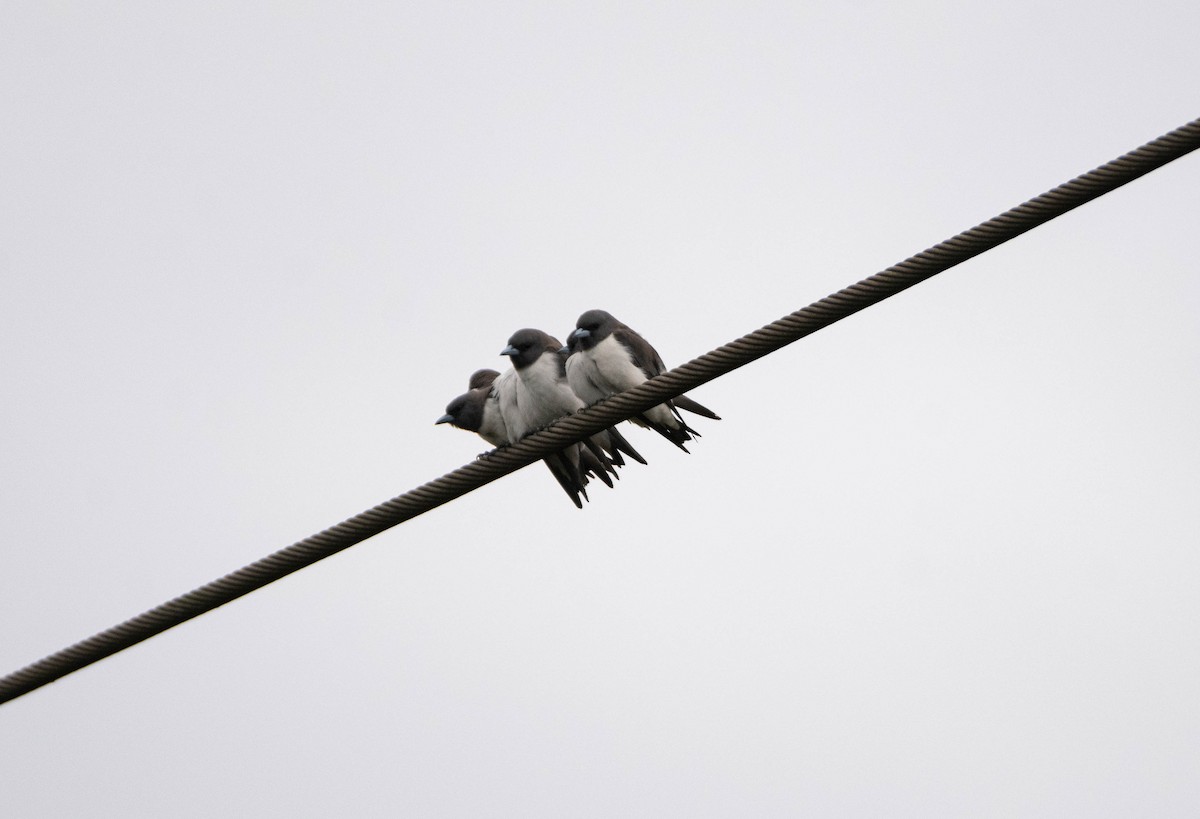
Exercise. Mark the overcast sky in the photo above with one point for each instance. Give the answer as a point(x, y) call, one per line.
point(938, 560)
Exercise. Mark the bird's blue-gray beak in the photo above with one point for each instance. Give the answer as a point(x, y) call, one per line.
point(445, 419)
point(581, 333)
point(510, 351)
point(564, 350)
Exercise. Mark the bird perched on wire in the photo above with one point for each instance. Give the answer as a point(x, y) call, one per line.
point(540, 395)
point(478, 411)
point(607, 357)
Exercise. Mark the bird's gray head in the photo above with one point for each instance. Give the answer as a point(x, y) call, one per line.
point(591, 329)
point(482, 378)
point(571, 347)
point(465, 412)
point(526, 346)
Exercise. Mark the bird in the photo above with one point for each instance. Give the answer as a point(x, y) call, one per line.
point(482, 378)
point(606, 357)
point(541, 395)
point(478, 411)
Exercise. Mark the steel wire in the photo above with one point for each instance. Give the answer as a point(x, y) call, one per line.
point(700, 370)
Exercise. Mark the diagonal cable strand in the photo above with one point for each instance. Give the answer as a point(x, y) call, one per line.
point(738, 353)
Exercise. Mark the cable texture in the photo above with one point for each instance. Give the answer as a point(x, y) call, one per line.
point(701, 370)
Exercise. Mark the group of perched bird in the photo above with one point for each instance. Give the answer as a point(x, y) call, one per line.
point(548, 380)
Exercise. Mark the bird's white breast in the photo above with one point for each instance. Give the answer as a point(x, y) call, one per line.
point(543, 394)
point(493, 429)
point(505, 390)
point(610, 367)
point(582, 376)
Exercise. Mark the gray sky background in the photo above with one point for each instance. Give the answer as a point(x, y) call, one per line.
point(940, 559)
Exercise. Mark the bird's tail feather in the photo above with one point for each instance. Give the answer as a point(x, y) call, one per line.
point(685, 403)
point(568, 477)
point(618, 444)
point(589, 464)
point(676, 436)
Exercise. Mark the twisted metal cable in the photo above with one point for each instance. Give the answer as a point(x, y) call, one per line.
point(748, 348)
